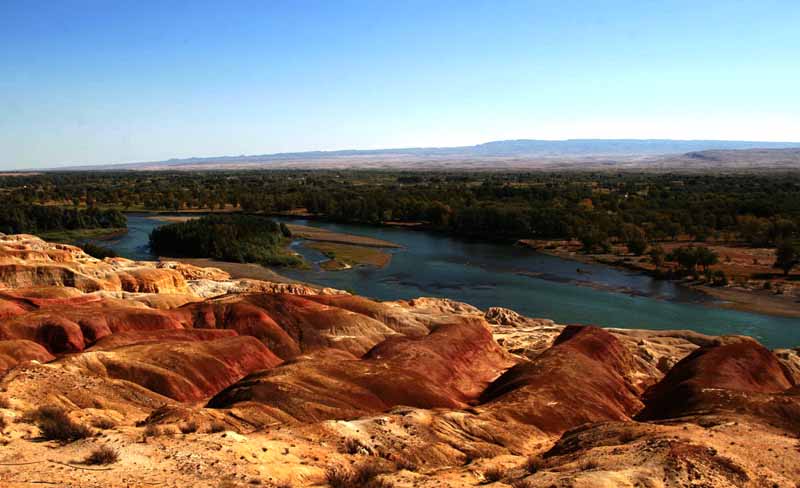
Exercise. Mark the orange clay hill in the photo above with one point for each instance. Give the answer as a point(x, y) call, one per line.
point(118, 373)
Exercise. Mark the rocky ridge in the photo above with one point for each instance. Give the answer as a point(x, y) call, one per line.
point(195, 378)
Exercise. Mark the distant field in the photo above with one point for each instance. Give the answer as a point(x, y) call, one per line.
point(79, 235)
point(351, 255)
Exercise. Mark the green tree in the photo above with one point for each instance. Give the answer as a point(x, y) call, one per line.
point(787, 256)
point(706, 257)
point(657, 255)
point(635, 239)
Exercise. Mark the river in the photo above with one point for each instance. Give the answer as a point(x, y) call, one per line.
point(534, 284)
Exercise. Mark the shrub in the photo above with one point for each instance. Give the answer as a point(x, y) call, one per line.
point(55, 424)
point(151, 431)
point(2, 423)
point(102, 455)
point(217, 427)
point(188, 427)
point(406, 464)
point(364, 475)
point(4, 403)
point(97, 251)
point(522, 484)
point(103, 424)
point(589, 465)
point(355, 446)
point(493, 474)
point(533, 464)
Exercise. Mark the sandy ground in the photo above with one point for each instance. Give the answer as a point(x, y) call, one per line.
point(758, 301)
point(322, 235)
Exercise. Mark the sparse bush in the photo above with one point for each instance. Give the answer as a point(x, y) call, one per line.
point(188, 427)
point(4, 403)
point(364, 475)
point(523, 483)
point(217, 427)
point(339, 477)
point(533, 464)
point(97, 251)
point(406, 464)
point(151, 431)
point(55, 424)
point(102, 455)
point(493, 474)
point(2, 423)
point(355, 446)
point(589, 465)
point(103, 424)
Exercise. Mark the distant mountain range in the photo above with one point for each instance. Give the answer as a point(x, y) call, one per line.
point(510, 154)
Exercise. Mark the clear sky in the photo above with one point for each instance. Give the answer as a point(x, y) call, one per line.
point(112, 81)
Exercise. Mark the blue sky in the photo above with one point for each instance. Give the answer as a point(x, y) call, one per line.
point(113, 81)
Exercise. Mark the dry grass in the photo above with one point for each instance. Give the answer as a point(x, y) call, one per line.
point(188, 427)
point(102, 455)
point(151, 431)
point(352, 445)
point(56, 425)
point(352, 255)
point(533, 464)
point(493, 475)
point(103, 424)
point(363, 475)
point(522, 484)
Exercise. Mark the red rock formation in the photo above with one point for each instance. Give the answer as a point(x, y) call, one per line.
point(288, 324)
point(739, 376)
point(17, 351)
point(142, 336)
point(71, 329)
point(183, 371)
point(584, 377)
point(447, 369)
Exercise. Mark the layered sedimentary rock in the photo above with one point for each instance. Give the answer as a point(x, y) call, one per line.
point(193, 376)
point(448, 368)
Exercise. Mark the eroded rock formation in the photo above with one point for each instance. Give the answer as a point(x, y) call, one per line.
point(199, 379)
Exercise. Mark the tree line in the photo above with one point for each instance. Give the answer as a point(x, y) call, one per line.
point(32, 219)
point(598, 208)
point(229, 237)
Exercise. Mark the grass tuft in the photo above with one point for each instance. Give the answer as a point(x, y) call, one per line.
point(188, 427)
point(493, 475)
point(56, 425)
point(363, 475)
point(102, 455)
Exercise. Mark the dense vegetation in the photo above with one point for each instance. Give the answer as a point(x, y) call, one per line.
point(232, 237)
point(34, 219)
point(599, 208)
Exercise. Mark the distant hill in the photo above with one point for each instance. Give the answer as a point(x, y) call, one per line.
point(521, 153)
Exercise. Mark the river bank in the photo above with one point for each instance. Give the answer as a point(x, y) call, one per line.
point(486, 274)
point(342, 250)
point(748, 270)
